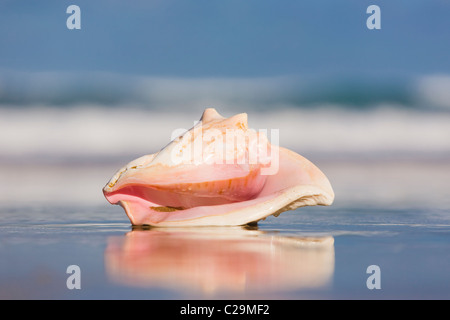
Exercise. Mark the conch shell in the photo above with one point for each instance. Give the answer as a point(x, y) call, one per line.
point(219, 173)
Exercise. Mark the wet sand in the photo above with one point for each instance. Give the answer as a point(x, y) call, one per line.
point(393, 214)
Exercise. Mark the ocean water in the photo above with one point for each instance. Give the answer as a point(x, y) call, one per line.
point(387, 156)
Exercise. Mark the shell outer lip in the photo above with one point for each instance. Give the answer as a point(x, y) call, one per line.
point(286, 200)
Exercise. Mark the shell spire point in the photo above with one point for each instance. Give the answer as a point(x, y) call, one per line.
point(210, 114)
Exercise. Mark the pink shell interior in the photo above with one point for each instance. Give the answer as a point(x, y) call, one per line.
point(164, 196)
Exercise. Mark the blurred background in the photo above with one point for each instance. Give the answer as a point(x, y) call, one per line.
point(117, 88)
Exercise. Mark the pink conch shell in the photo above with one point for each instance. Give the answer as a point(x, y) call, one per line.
point(219, 173)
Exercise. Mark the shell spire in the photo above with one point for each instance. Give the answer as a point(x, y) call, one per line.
point(210, 114)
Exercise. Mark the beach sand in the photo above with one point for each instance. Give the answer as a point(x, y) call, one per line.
point(389, 213)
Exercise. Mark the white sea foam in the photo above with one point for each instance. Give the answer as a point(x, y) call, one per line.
point(45, 116)
point(89, 132)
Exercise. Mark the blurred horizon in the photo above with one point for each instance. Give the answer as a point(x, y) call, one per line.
point(109, 89)
point(132, 74)
point(297, 53)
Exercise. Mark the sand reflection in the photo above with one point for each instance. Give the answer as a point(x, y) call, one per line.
point(219, 260)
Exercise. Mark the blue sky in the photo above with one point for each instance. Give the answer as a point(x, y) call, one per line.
point(226, 38)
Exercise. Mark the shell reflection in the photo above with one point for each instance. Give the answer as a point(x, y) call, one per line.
point(219, 260)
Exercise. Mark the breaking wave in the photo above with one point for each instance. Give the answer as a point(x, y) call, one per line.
point(49, 117)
